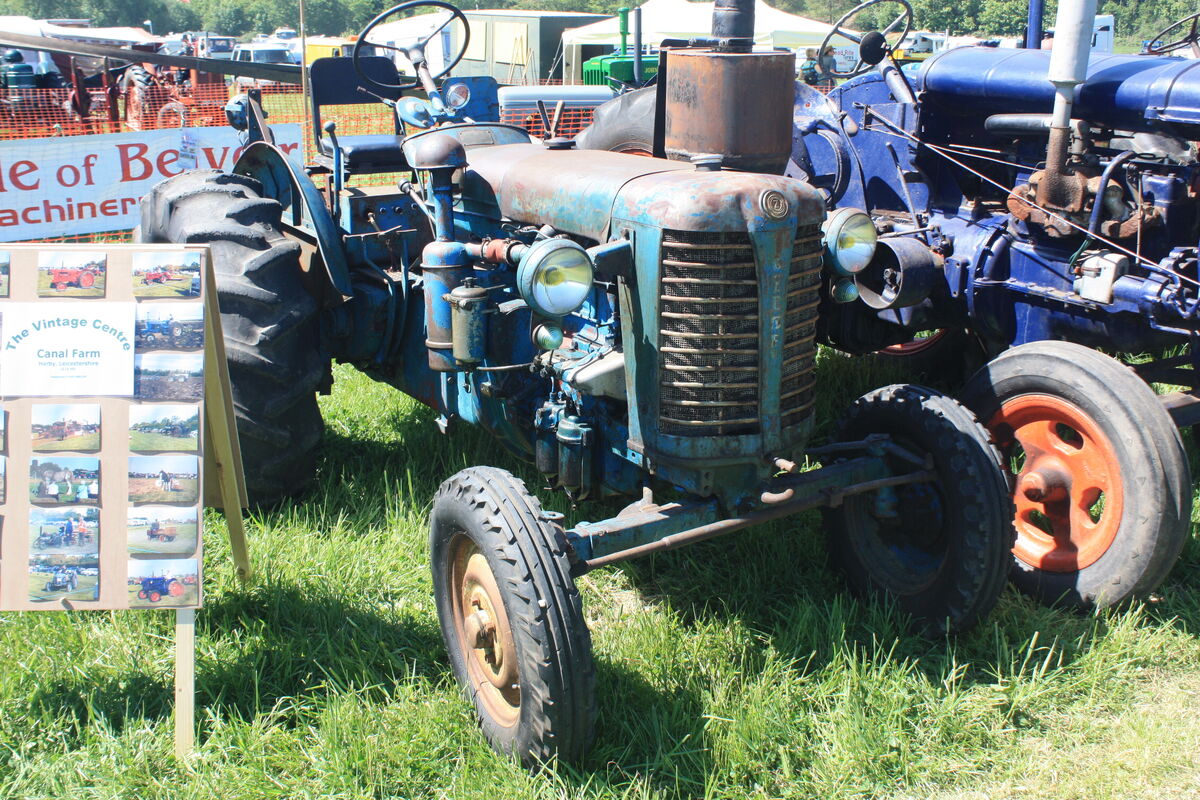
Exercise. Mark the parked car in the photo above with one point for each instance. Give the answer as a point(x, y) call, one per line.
point(261, 53)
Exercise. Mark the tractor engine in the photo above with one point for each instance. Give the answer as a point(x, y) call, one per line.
point(716, 278)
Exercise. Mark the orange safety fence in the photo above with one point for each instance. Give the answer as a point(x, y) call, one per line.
point(44, 113)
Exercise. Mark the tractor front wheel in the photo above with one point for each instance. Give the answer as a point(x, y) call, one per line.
point(939, 548)
point(154, 596)
point(1102, 486)
point(511, 616)
point(269, 320)
point(141, 594)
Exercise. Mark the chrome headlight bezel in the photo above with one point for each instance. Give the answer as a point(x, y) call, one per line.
point(850, 240)
point(536, 264)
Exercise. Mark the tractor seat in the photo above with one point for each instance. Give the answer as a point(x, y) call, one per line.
point(367, 151)
point(335, 82)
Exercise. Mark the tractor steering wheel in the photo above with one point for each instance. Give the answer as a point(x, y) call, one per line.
point(1190, 39)
point(414, 53)
point(905, 17)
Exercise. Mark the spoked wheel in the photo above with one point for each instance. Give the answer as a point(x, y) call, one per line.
point(511, 616)
point(1102, 487)
point(939, 548)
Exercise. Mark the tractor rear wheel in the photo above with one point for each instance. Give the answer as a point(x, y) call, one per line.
point(1102, 486)
point(939, 549)
point(511, 616)
point(269, 320)
point(143, 97)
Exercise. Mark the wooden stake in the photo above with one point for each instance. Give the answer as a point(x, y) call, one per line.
point(185, 681)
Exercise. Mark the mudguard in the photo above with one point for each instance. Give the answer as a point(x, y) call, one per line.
point(284, 180)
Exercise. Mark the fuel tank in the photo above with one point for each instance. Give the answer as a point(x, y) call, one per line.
point(1127, 91)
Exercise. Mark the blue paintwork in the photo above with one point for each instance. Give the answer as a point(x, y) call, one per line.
point(1004, 279)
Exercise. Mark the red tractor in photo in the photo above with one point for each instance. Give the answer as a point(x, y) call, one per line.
point(157, 532)
point(68, 277)
point(159, 276)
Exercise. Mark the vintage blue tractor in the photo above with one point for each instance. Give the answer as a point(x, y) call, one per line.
point(1041, 206)
point(636, 328)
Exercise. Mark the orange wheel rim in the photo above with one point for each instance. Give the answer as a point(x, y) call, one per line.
point(918, 345)
point(484, 634)
point(1069, 494)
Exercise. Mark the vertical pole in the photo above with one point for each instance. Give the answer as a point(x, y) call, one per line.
point(185, 681)
point(1033, 26)
point(304, 98)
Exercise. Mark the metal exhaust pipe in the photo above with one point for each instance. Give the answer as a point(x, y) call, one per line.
point(734, 19)
point(1068, 68)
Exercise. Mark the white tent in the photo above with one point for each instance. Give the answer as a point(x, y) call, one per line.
point(683, 19)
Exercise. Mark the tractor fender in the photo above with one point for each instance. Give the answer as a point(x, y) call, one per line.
point(283, 179)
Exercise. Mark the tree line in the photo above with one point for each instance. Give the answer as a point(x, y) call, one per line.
point(1135, 19)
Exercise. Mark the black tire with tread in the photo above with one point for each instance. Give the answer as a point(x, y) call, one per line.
point(269, 320)
point(527, 554)
point(1154, 467)
point(973, 494)
point(623, 124)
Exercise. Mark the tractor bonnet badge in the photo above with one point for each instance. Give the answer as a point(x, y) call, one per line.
point(774, 204)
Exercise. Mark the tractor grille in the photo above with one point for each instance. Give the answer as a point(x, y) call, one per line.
point(709, 333)
point(708, 327)
point(800, 326)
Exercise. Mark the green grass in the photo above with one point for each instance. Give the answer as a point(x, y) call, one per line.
point(736, 668)
point(83, 441)
point(181, 287)
point(183, 545)
point(145, 490)
point(141, 440)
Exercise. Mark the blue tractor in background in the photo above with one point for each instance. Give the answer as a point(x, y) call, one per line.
point(634, 327)
point(1040, 208)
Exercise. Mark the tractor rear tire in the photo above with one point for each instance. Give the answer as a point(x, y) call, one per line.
point(511, 616)
point(142, 97)
point(624, 124)
point(1103, 493)
point(269, 320)
point(942, 552)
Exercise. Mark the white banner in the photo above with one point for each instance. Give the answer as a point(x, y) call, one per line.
point(70, 185)
point(67, 349)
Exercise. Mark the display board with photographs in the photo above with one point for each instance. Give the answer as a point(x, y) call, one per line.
point(102, 390)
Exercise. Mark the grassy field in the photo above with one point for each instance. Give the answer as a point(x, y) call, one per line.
point(184, 543)
point(155, 442)
point(180, 287)
point(145, 490)
point(66, 494)
point(188, 598)
point(736, 668)
point(83, 441)
point(85, 588)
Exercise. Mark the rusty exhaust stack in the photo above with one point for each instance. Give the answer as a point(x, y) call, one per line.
point(727, 101)
point(1068, 69)
point(734, 19)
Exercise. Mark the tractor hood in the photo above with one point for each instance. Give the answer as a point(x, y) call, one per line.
point(581, 192)
point(573, 191)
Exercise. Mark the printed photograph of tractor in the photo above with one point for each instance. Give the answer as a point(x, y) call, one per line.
point(639, 329)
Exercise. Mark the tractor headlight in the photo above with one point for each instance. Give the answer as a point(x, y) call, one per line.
point(849, 240)
point(555, 276)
